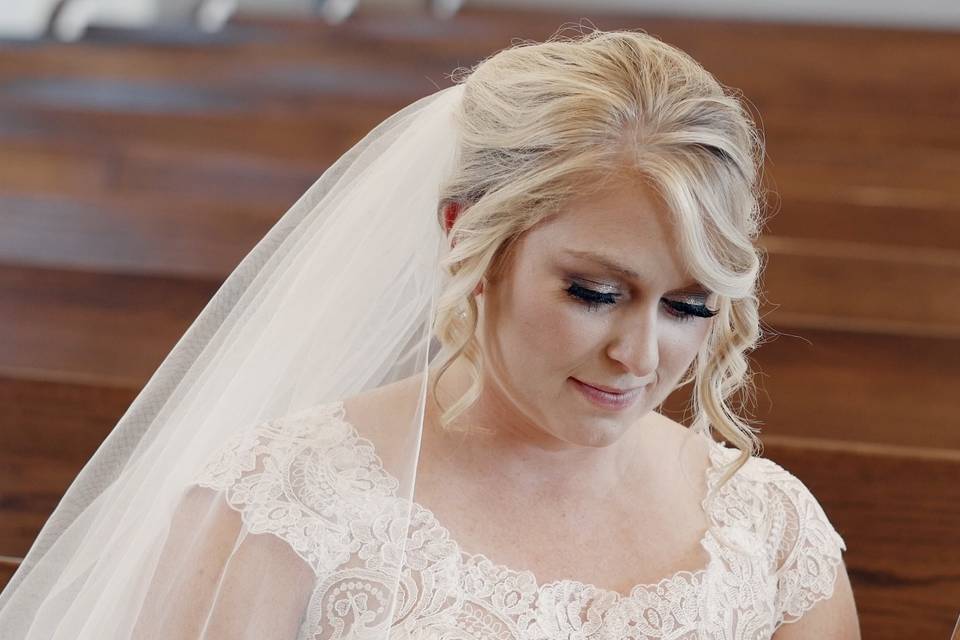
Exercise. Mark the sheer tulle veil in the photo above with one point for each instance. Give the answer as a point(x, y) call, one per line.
point(338, 298)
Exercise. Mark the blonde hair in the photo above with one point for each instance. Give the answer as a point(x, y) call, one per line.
point(541, 121)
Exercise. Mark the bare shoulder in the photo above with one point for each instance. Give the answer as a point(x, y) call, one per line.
point(679, 458)
point(693, 448)
point(383, 415)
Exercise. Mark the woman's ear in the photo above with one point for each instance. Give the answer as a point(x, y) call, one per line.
point(451, 210)
point(449, 213)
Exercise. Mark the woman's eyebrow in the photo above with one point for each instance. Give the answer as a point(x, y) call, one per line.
point(696, 289)
point(601, 259)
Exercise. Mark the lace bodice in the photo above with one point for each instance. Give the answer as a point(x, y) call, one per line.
point(310, 479)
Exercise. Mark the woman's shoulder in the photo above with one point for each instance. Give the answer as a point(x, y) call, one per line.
point(796, 515)
point(313, 450)
point(366, 433)
point(784, 521)
point(308, 470)
point(784, 504)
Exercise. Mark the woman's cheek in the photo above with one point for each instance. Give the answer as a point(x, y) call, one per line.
point(677, 354)
point(568, 331)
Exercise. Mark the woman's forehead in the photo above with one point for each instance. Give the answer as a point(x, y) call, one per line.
point(632, 238)
point(624, 223)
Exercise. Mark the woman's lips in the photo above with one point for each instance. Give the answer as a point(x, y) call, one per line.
point(606, 399)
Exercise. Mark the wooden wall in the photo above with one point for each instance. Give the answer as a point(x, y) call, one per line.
point(136, 171)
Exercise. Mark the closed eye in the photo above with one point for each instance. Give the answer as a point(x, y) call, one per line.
point(594, 300)
point(687, 311)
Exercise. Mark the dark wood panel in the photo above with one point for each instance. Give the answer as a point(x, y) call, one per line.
point(319, 133)
point(113, 329)
point(49, 431)
point(65, 184)
point(858, 387)
point(8, 567)
point(874, 288)
point(132, 234)
point(928, 221)
point(30, 488)
point(921, 178)
point(59, 421)
point(851, 387)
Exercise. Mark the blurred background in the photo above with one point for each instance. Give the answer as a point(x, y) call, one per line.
point(147, 145)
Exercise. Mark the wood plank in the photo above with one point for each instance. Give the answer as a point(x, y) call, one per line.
point(30, 489)
point(867, 216)
point(133, 234)
point(871, 287)
point(274, 133)
point(58, 421)
point(111, 328)
point(851, 387)
point(862, 388)
point(903, 180)
point(813, 197)
point(118, 169)
point(8, 566)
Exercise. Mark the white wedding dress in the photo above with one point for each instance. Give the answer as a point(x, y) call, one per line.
point(312, 481)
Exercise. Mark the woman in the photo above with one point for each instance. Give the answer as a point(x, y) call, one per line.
point(425, 405)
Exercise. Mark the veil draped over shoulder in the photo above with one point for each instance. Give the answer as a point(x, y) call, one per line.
point(338, 298)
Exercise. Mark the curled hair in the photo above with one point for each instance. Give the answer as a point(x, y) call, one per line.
point(540, 122)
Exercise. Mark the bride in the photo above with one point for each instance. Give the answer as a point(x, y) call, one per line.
point(426, 404)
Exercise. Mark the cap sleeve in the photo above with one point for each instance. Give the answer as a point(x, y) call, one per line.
point(295, 476)
point(288, 478)
point(809, 550)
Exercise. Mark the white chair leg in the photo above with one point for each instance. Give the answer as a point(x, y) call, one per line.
point(72, 17)
point(336, 11)
point(211, 15)
point(445, 8)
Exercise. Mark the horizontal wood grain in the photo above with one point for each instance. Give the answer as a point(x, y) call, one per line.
point(8, 566)
point(58, 420)
point(112, 329)
point(130, 234)
point(30, 488)
point(874, 285)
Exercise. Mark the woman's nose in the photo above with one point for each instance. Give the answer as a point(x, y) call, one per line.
point(637, 345)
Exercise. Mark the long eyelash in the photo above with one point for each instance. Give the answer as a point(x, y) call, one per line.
point(687, 311)
point(594, 300)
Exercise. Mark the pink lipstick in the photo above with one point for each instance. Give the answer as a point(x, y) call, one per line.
point(604, 398)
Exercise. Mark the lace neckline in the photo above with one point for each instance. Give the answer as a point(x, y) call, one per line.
point(718, 454)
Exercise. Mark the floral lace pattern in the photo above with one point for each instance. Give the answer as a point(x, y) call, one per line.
point(312, 480)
